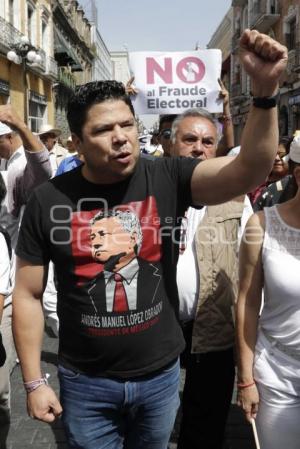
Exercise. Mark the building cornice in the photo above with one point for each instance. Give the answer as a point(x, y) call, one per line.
point(61, 20)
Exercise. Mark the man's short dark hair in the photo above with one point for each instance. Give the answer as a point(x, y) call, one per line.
point(168, 118)
point(89, 94)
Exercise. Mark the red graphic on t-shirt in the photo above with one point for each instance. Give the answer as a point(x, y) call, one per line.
point(86, 267)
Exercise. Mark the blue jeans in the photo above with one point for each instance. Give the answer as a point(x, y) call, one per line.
point(104, 413)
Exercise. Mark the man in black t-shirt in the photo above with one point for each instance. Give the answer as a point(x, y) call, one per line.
point(118, 369)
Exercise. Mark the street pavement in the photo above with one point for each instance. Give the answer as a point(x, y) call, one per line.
point(26, 433)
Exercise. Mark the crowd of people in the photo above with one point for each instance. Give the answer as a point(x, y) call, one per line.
point(133, 262)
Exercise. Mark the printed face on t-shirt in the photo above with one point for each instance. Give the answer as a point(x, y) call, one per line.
point(109, 142)
point(109, 239)
point(195, 137)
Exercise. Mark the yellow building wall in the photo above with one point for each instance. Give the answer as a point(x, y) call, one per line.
point(14, 75)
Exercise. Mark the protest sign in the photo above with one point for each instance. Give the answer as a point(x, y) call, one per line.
point(170, 83)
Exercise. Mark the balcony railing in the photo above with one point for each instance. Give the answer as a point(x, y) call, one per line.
point(51, 67)
point(263, 18)
point(9, 34)
point(67, 78)
point(41, 65)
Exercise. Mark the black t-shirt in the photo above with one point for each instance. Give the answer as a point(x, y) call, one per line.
point(112, 243)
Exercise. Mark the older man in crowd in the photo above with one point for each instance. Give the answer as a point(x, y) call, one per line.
point(49, 136)
point(207, 286)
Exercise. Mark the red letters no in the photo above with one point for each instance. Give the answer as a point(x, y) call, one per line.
point(165, 73)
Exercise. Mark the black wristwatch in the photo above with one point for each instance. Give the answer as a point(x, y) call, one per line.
point(266, 102)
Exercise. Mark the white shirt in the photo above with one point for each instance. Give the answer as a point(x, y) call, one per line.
point(5, 271)
point(21, 172)
point(280, 315)
point(9, 170)
point(187, 267)
point(56, 155)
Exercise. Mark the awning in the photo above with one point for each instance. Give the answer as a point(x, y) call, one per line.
point(64, 53)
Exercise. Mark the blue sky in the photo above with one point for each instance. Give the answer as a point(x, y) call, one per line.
point(162, 25)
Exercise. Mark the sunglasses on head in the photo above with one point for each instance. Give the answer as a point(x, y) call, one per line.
point(165, 133)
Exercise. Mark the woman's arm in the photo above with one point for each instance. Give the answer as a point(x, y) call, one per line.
point(247, 311)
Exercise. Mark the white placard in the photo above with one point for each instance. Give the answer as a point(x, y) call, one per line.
point(170, 83)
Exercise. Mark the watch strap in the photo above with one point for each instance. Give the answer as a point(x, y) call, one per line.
point(266, 102)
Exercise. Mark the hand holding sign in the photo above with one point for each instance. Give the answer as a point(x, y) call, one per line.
point(130, 89)
point(264, 60)
point(224, 94)
point(170, 83)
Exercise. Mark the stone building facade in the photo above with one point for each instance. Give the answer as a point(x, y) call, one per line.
point(27, 85)
point(279, 19)
point(73, 54)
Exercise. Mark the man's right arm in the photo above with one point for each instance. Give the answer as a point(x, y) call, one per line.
point(28, 329)
point(220, 179)
point(38, 167)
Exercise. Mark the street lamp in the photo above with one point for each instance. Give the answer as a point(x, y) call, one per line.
point(24, 52)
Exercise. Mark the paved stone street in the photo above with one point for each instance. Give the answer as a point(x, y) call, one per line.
point(26, 433)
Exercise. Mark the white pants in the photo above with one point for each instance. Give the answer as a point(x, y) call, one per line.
point(278, 381)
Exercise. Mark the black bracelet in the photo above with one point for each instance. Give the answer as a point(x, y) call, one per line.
point(266, 102)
